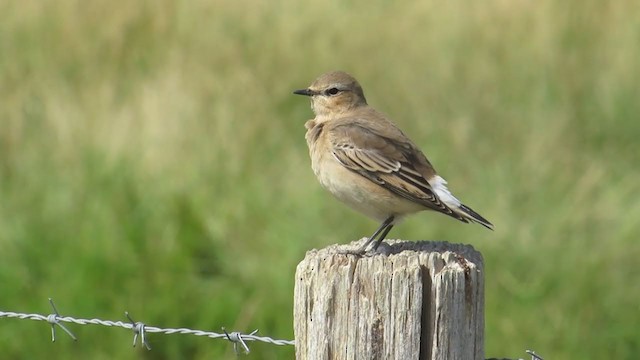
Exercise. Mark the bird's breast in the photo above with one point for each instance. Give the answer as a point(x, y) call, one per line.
point(354, 189)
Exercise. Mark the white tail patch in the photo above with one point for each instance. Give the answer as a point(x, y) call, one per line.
point(439, 186)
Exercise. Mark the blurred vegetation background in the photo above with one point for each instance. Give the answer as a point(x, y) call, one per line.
point(152, 159)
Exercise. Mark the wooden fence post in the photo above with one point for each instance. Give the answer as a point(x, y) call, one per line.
point(418, 300)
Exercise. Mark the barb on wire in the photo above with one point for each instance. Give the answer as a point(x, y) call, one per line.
point(236, 338)
point(53, 320)
point(534, 356)
point(138, 329)
point(141, 329)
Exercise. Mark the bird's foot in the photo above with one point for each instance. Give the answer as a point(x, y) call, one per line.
point(351, 252)
point(365, 250)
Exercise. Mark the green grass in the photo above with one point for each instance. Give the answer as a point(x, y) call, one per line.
point(144, 148)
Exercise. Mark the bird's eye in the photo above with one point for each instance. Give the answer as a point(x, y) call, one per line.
point(332, 91)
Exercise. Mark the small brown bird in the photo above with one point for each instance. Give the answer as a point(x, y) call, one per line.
point(365, 161)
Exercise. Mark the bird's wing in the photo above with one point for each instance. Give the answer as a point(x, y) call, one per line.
point(393, 164)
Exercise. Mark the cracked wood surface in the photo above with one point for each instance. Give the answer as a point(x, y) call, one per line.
point(411, 300)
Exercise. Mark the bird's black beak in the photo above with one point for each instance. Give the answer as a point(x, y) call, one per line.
point(305, 92)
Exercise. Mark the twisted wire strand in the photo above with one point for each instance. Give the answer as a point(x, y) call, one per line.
point(140, 328)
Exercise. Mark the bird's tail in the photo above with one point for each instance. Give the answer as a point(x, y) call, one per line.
point(468, 214)
point(457, 209)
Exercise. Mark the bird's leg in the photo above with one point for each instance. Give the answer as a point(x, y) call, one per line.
point(381, 238)
point(383, 230)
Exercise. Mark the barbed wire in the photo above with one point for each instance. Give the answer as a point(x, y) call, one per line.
point(533, 354)
point(141, 330)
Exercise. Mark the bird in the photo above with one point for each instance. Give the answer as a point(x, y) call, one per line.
point(361, 157)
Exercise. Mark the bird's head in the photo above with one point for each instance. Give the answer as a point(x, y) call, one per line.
point(334, 92)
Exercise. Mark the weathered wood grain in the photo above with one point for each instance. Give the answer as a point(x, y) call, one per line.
point(414, 300)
